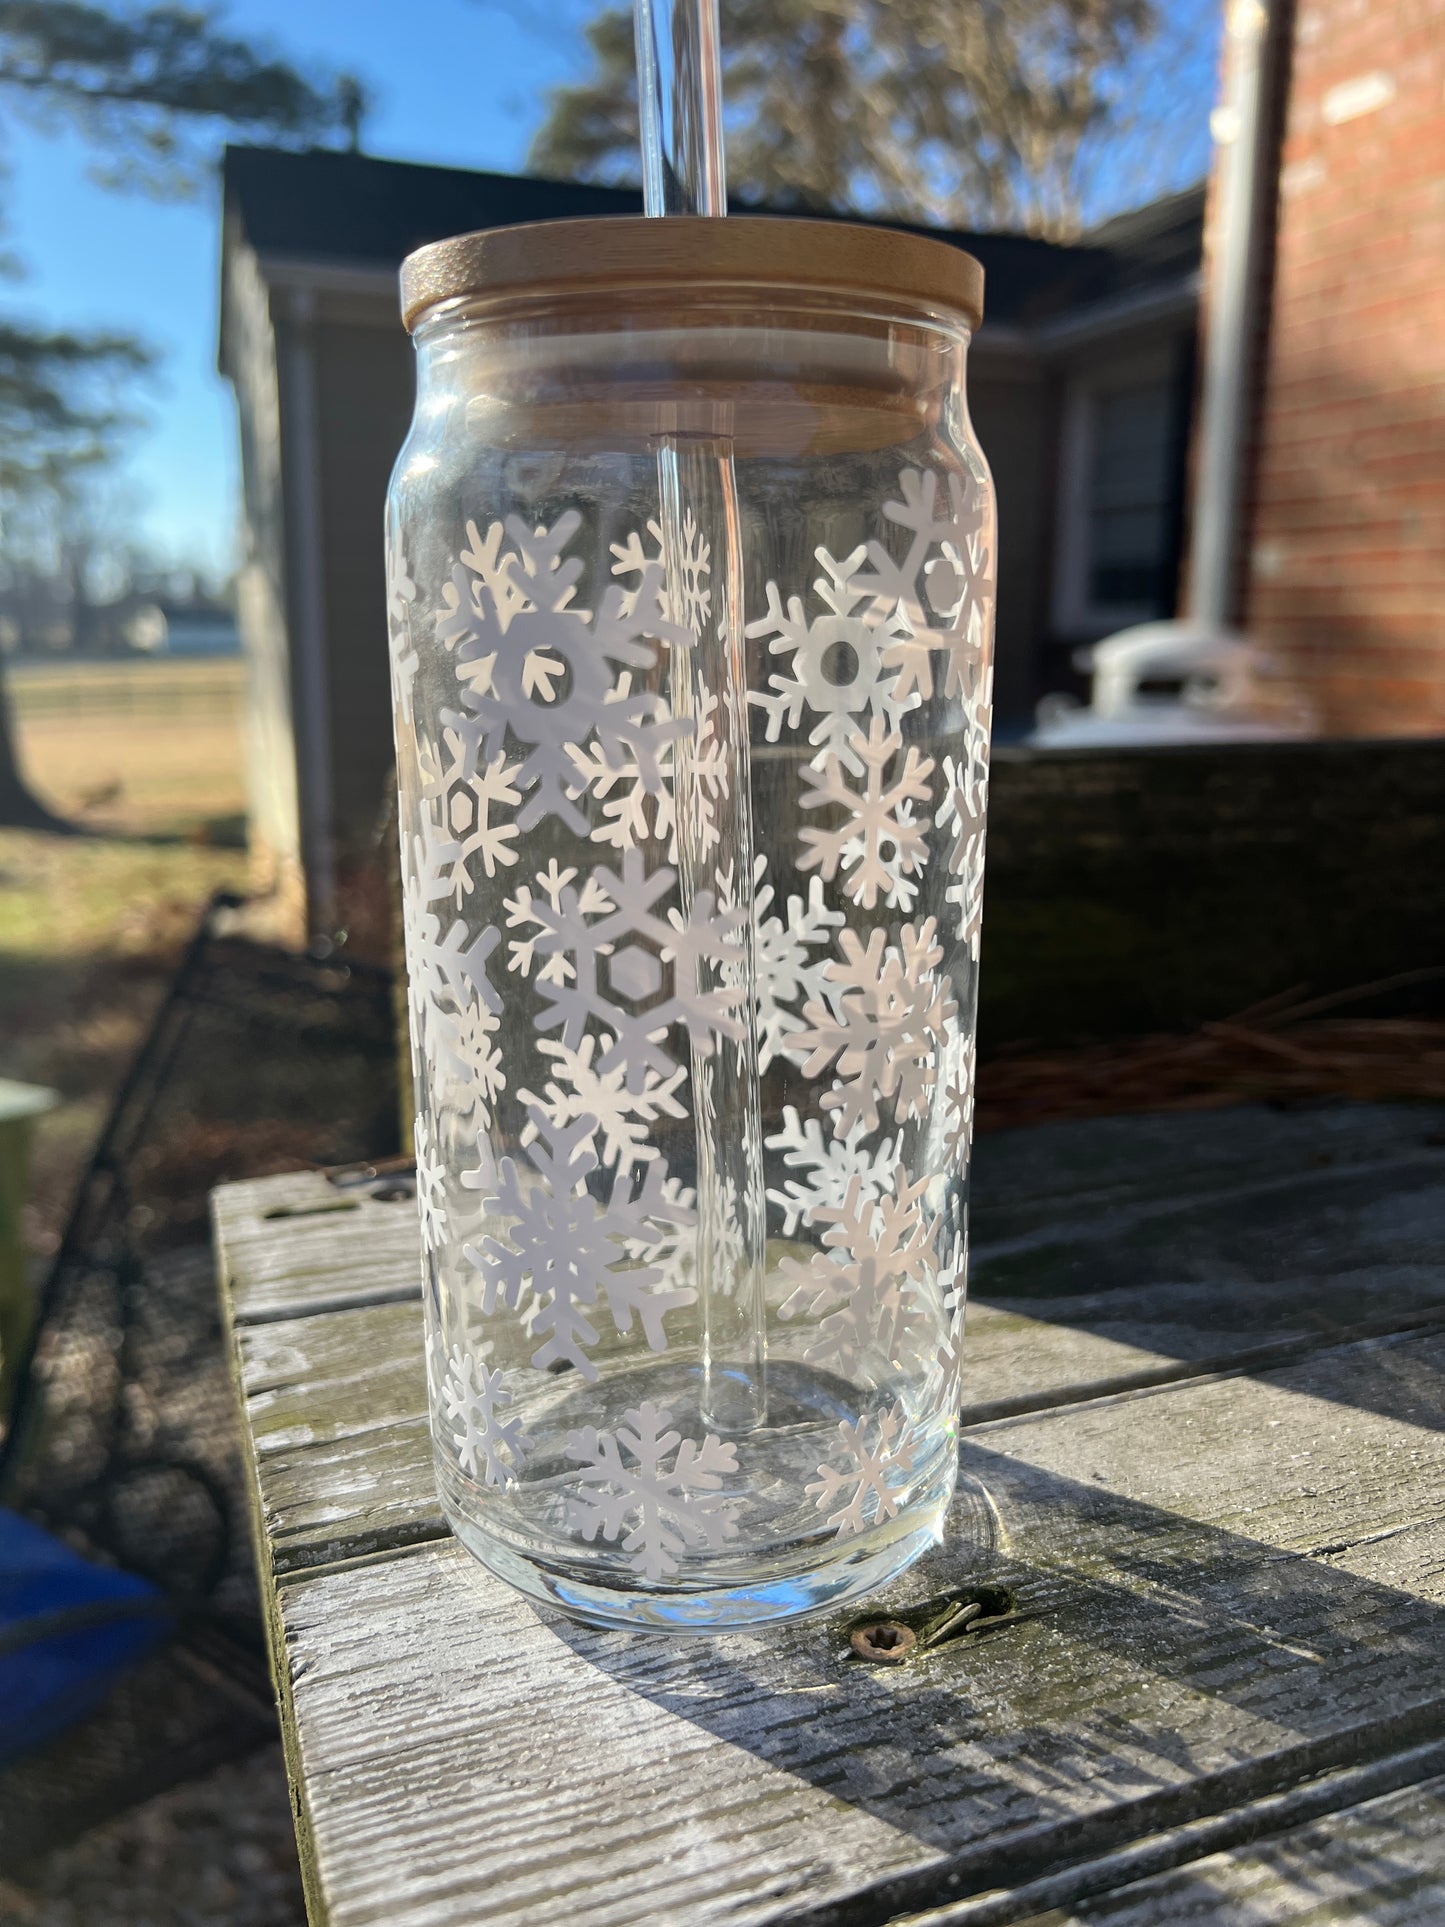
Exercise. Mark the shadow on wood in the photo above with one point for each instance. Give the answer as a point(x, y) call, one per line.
point(1167, 1663)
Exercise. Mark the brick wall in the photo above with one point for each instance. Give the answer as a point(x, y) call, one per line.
point(1346, 554)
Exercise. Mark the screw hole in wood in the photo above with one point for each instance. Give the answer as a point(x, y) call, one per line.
point(885, 1642)
point(958, 1616)
point(311, 1210)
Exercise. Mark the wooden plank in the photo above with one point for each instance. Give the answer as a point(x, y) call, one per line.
point(296, 1242)
point(1379, 1864)
point(1226, 1586)
point(1060, 1172)
point(1311, 1816)
point(338, 1404)
point(1277, 1219)
point(1280, 1232)
point(337, 1409)
point(299, 1243)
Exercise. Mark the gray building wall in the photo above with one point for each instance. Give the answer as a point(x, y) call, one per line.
point(1012, 402)
point(365, 387)
point(249, 356)
point(323, 378)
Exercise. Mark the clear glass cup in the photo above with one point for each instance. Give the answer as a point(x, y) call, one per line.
point(690, 556)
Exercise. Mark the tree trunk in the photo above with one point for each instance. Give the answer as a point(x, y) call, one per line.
point(20, 808)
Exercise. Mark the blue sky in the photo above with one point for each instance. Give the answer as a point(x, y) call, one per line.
point(461, 82)
point(454, 81)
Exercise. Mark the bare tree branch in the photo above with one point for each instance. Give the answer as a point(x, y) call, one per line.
point(997, 113)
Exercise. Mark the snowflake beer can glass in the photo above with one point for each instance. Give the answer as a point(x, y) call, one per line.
point(690, 555)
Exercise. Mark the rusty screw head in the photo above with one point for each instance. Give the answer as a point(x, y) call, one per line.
point(885, 1643)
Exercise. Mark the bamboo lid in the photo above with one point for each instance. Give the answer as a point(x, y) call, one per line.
point(755, 252)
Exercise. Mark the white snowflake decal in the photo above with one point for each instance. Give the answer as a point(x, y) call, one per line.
point(558, 1252)
point(553, 912)
point(956, 583)
point(958, 1105)
point(964, 804)
point(401, 592)
point(702, 778)
point(431, 1190)
point(878, 844)
point(694, 764)
point(608, 953)
point(872, 1473)
point(634, 810)
point(692, 564)
point(466, 1061)
point(658, 1510)
point(458, 797)
point(831, 1165)
point(839, 665)
point(489, 1444)
point(455, 1012)
point(943, 1381)
point(481, 1177)
point(620, 1117)
point(953, 1287)
point(873, 1281)
point(444, 962)
point(787, 974)
point(535, 669)
point(886, 1022)
point(669, 1238)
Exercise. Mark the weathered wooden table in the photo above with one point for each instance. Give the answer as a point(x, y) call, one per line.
point(1203, 1452)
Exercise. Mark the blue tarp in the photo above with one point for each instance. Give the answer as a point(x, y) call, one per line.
point(68, 1629)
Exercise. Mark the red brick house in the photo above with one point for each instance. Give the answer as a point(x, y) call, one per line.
point(1341, 563)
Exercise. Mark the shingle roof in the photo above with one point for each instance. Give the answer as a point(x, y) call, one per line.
point(352, 209)
point(1155, 242)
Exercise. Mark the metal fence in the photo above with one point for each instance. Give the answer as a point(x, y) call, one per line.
point(125, 1438)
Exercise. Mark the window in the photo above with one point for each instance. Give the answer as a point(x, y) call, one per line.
point(1115, 563)
point(1129, 490)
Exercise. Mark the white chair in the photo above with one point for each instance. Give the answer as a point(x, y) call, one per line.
point(1173, 682)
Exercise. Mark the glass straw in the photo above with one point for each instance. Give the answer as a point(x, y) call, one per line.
point(679, 107)
point(683, 172)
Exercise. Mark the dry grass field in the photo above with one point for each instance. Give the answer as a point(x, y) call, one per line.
point(145, 758)
point(138, 747)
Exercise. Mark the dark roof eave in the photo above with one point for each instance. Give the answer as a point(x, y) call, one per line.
point(358, 212)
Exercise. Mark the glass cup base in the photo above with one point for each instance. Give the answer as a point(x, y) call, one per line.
point(854, 1573)
point(791, 1546)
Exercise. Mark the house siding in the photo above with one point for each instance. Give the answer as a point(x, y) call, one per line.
point(366, 384)
point(273, 803)
point(1012, 406)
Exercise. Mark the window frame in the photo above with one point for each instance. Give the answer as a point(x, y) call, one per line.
point(1075, 616)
